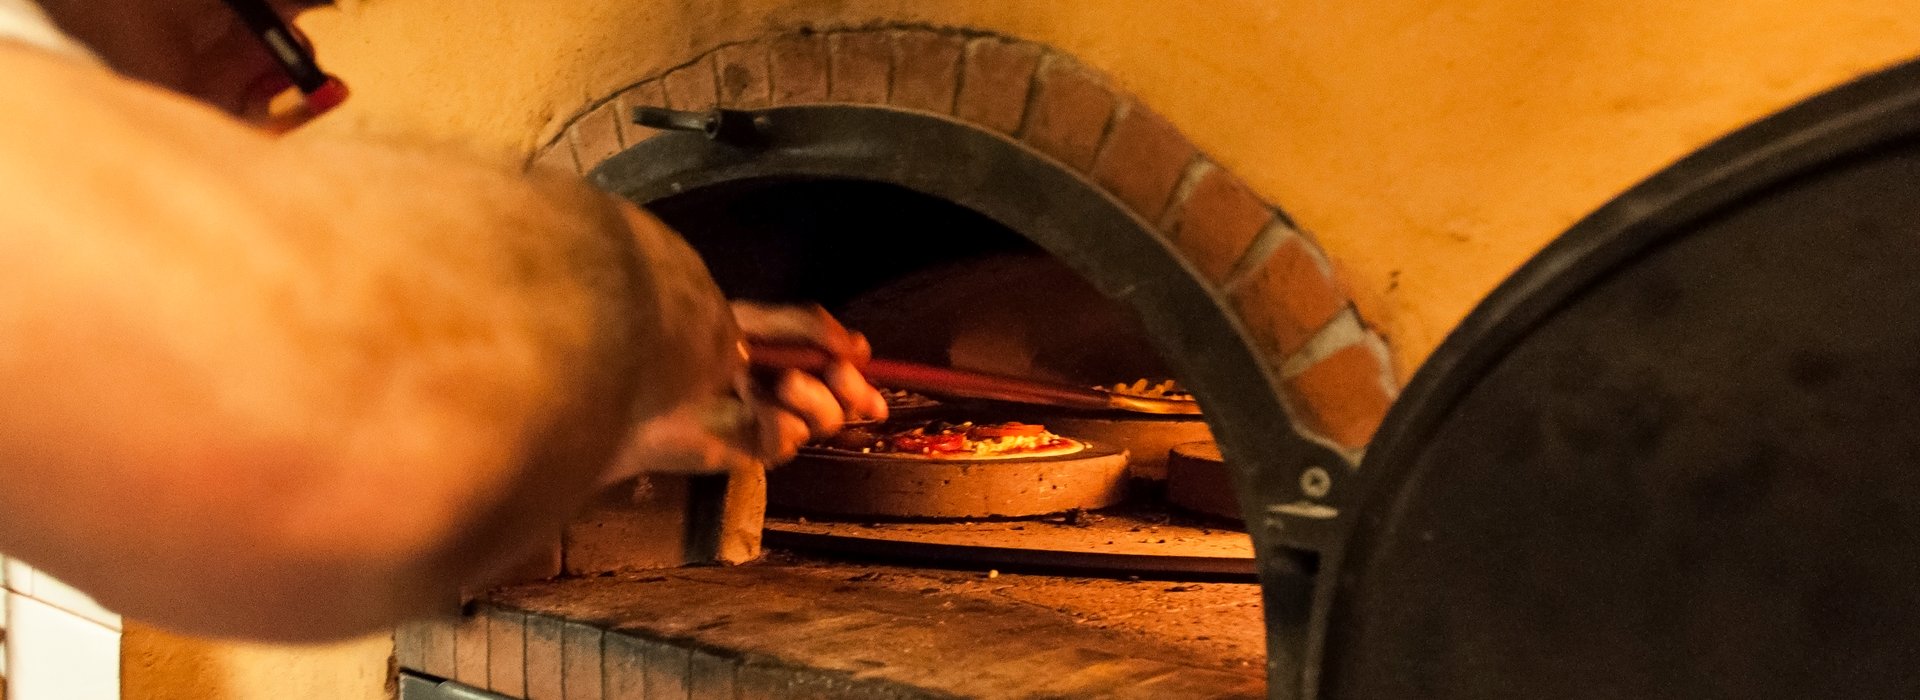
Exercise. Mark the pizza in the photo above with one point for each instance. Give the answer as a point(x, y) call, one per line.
point(944, 440)
point(903, 400)
point(1167, 389)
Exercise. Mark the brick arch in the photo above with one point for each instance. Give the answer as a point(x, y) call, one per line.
point(1334, 370)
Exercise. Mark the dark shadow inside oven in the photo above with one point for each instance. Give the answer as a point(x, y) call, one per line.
point(925, 279)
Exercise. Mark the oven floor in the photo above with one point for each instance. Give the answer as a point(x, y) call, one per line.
point(1121, 533)
point(791, 627)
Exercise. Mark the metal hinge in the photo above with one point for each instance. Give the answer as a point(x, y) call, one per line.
point(417, 687)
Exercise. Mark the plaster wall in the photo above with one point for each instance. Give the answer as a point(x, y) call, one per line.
point(159, 665)
point(1430, 146)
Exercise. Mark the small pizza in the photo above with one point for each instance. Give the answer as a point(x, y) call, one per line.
point(901, 399)
point(944, 440)
point(1167, 389)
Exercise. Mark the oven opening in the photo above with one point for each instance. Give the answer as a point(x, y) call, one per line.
point(1071, 553)
point(1097, 532)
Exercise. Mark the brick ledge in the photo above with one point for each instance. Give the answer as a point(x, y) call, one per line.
point(835, 631)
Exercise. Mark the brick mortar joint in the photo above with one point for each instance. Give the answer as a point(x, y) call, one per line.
point(1345, 330)
point(1291, 403)
point(1123, 104)
point(1034, 84)
point(1275, 235)
point(1196, 171)
point(898, 55)
point(893, 71)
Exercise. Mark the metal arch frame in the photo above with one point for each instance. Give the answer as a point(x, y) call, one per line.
point(1851, 119)
point(1120, 254)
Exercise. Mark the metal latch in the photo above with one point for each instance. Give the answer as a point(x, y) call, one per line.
point(730, 126)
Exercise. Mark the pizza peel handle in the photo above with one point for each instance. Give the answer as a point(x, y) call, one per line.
point(944, 381)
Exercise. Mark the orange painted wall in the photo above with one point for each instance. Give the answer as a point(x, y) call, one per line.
point(1430, 146)
point(158, 665)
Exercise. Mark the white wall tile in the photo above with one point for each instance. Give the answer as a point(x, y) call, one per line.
point(56, 655)
point(51, 591)
point(19, 576)
point(5, 598)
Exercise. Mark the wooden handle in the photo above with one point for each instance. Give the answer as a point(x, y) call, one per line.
point(941, 381)
point(806, 358)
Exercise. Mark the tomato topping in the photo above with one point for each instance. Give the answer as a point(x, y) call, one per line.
point(930, 444)
point(1001, 430)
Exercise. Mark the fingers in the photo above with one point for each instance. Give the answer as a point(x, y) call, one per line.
point(781, 434)
point(798, 406)
point(857, 398)
point(861, 350)
point(811, 401)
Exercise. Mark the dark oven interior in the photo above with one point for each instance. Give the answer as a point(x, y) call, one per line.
point(933, 282)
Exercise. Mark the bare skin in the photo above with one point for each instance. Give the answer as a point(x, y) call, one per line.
point(304, 389)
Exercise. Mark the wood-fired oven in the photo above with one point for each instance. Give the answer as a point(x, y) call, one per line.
point(1561, 506)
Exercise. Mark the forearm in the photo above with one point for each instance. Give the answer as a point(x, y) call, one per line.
point(335, 377)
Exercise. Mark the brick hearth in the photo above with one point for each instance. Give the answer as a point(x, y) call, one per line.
point(811, 630)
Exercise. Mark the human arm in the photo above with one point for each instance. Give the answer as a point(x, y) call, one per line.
point(301, 389)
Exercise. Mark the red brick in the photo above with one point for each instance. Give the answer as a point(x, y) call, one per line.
point(411, 642)
point(926, 70)
point(580, 649)
point(625, 667)
point(652, 93)
point(470, 654)
point(743, 73)
point(1143, 161)
point(668, 670)
point(745, 517)
point(1288, 299)
point(862, 67)
point(996, 83)
point(692, 86)
point(1218, 220)
point(442, 658)
point(507, 652)
point(545, 660)
point(797, 69)
point(1069, 115)
point(596, 135)
point(1343, 396)
point(711, 677)
point(623, 532)
point(557, 157)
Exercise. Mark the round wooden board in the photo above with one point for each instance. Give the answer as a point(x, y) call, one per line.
point(831, 484)
point(1198, 480)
